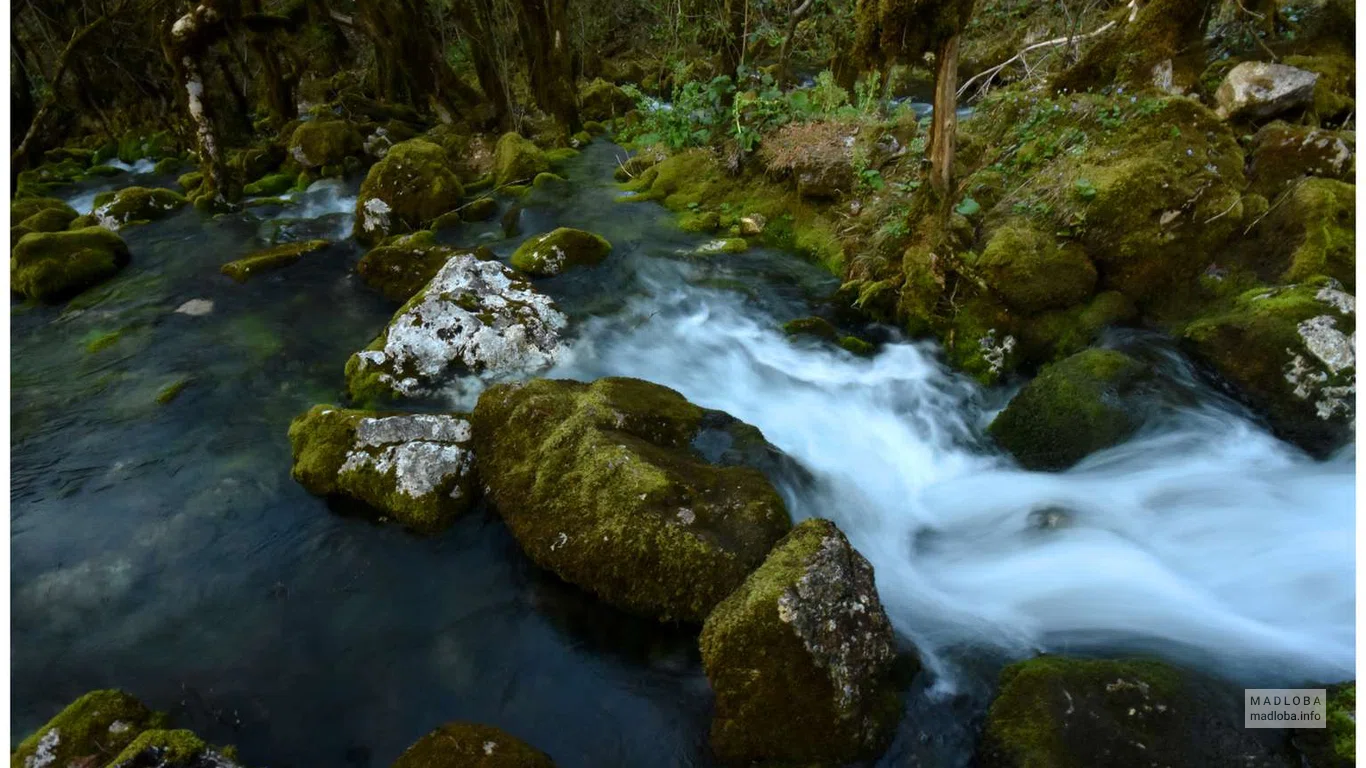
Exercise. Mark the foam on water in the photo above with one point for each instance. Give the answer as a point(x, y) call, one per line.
point(1203, 539)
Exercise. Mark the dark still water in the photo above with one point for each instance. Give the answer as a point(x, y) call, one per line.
point(164, 549)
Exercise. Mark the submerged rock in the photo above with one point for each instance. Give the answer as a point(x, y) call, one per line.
point(416, 469)
point(1258, 89)
point(50, 266)
point(1290, 353)
point(517, 160)
point(800, 657)
point(91, 731)
point(133, 205)
point(473, 317)
point(552, 253)
point(265, 260)
point(402, 265)
point(656, 504)
point(1070, 410)
point(1032, 271)
point(467, 745)
point(1054, 711)
point(405, 191)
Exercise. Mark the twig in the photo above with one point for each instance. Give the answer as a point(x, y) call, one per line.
point(991, 73)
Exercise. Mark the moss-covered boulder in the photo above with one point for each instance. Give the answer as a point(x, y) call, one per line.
point(656, 505)
point(517, 160)
point(1335, 745)
point(405, 191)
point(1077, 713)
point(134, 205)
point(269, 259)
point(1070, 410)
point(601, 100)
point(800, 658)
point(92, 730)
point(1034, 272)
point(1283, 153)
point(173, 749)
point(1290, 353)
point(1335, 90)
point(479, 209)
point(321, 142)
point(552, 253)
point(414, 469)
point(50, 266)
point(41, 214)
point(818, 327)
point(270, 185)
point(1312, 231)
point(471, 745)
point(473, 317)
point(402, 265)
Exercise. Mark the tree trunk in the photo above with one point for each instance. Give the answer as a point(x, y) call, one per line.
point(545, 38)
point(733, 46)
point(409, 65)
point(20, 95)
point(477, 21)
point(187, 45)
point(944, 126)
point(785, 53)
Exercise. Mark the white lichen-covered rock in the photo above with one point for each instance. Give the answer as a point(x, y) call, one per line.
point(1290, 352)
point(416, 469)
point(474, 317)
point(99, 724)
point(1258, 89)
point(133, 205)
point(800, 657)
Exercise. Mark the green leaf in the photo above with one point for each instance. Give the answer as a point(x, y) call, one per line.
point(968, 207)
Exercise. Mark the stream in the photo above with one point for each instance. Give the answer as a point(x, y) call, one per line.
point(164, 549)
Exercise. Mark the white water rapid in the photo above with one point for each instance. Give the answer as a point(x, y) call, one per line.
point(1203, 540)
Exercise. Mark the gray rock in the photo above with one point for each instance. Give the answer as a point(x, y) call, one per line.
point(1257, 89)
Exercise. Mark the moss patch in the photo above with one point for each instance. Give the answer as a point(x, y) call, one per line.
point(406, 191)
point(517, 161)
point(269, 259)
point(464, 745)
point(554, 252)
point(97, 725)
point(50, 266)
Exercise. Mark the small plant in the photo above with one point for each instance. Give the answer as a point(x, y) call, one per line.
point(868, 93)
point(827, 96)
point(1084, 189)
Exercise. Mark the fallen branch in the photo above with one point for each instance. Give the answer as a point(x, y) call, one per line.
point(991, 73)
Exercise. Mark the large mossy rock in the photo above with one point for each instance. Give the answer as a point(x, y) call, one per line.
point(23, 208)
point(173, 749)
point(38, 214)
point(626, 489)
point(603, 101)
point(50, 266)
point(1312, 231)
point(800, 658)
point(517, 160)
point(552, 253)
point(474, 317)
point(405, 191)
point(268, 259)
point(414, 469)
point(92, 730)
point(318, 143)
point(1290, 353)
point(133, 205)
point(1281, 154)
point(1033, 272)
point(1071, 409)
point(402, 265)
point(471, 745)
point(1054, 712)
point(1259, 89)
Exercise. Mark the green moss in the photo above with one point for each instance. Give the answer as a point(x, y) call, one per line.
point(171, 391)
point(271, 185)
point(269, 259)
point(1054, 335)
point(1070, 410)
point(811, 326)
point(580, 139)
point(50, 266)
point(1335, 90)
point(699, 221)
point(516, 190)
point(1314, 229)
point(517, 161)
point(101, 341)
point(799, 678)
point(99, 725)
point(49, 220)
point(406, 191)
point(1032, 271)
point(464, 745)
point(602, 484)
point(479, 209)
point(399, 268)
point(543, 179)
point(981, 339)
point(134, 147)
point(132, 205)
point(326, 443)
point(106, 171)
point(321, 142)
point(1342, 721)
point(190, 181)
point(168, 747)
point(21, 209)
point(560, 155)
point(554, 252)
point(1282, 154)
point(1055, 712)
point(1257, 343)
point(600, 100)
point(857, 346)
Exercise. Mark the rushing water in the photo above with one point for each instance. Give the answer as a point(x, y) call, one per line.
point(164, 548)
